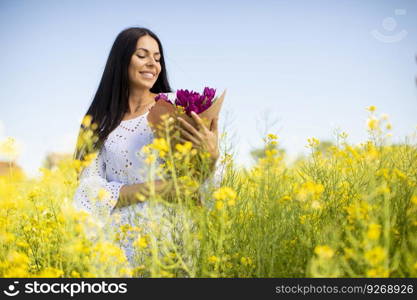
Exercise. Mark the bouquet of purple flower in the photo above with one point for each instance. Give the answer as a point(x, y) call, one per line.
point(205, 105)
point(192, 101)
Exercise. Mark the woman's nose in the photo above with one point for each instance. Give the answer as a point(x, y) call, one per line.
point(151, 62)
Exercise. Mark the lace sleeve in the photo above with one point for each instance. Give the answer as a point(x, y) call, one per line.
point(94, 193)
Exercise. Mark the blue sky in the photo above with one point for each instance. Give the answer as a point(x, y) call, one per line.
point(312, 66)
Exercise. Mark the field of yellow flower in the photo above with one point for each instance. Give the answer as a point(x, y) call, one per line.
point(343, 211)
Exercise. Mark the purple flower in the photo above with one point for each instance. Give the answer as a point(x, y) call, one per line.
point(193, 101)
point(209, 93)
point(206, 98)
point(163, 97)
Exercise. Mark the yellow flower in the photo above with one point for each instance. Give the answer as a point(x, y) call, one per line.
point(188, 184)
point(102, 193)
point(150, 159)
point(204, 155)
point(272, 136)
point(22, 244)
point(89, 158)
point(375, 255)
point(316, 204)
point(224, 193)
point(9, 148)
point(87, 120)
point(219, 205)
point(349, 253)
point(34, 193)
point(384, 172)
point(75, 274)
point(377, 273)
point(374, 231)
point(141, 242)
point(51, 273)
point(371, 108)
point(308, 189)
point(313, 142)
point(139, 269)
point(358, 211)
point(284, 198)
point(18, 264)
point(146, 149)
point(271, 153)
point(18, 258)
point(231, 202)
point(185, 148)
point(161, 145)
point(372, 123)
point(343, 135)
point(166, 274)
point(324, 251)
point(245, 261)
point(273, 143)
point(140, 197)
point(213, 259)
point(414, 199)
point(400, 174)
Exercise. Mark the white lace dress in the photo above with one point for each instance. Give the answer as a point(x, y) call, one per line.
point(118, 163)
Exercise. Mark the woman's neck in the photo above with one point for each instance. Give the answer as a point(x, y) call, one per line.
point(138, 99)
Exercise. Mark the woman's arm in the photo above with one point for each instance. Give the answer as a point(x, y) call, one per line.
point(95, 194)
point(128, 192)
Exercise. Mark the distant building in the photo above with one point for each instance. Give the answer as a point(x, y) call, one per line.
point(52, 159)
point(6, 167)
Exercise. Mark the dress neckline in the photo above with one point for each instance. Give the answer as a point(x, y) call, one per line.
point(145, 112)
point(140, 116)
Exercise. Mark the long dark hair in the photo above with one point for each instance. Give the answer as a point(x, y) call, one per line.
point(111, 99)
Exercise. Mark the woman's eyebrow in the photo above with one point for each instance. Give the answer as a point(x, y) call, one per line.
point(146, 50)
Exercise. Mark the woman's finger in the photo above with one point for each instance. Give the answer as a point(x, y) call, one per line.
point(189, 127)
point(182, 130)
point(184, 140)
point(198, 120)
point(190, 137)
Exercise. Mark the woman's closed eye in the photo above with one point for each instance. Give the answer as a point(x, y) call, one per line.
point(157, 60)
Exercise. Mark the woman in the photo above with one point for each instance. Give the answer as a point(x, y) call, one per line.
point(134, 74)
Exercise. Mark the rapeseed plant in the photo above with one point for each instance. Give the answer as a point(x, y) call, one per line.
point(344, 211)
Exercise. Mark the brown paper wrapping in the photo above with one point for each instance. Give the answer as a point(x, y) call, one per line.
point(162, 107)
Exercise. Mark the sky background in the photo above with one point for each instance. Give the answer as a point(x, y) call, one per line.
point(312, 66)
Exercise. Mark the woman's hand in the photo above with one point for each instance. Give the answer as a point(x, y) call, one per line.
point(202, 137)
point(129, 192)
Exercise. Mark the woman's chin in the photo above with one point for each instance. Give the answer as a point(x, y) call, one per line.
point(147, 85)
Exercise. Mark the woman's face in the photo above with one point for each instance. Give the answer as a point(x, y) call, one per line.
point(145, 66)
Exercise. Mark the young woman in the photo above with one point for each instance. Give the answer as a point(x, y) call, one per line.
point(134, 74)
